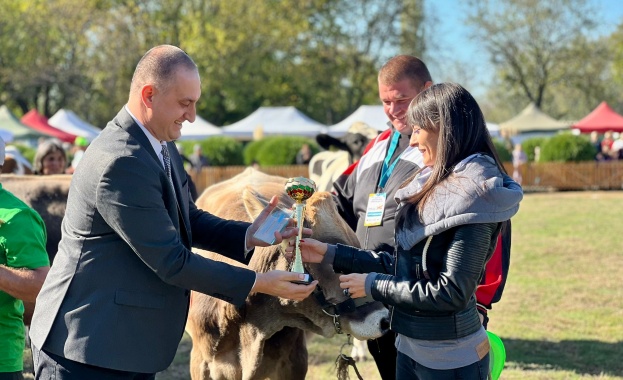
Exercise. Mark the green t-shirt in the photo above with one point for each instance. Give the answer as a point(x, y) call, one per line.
point(22, 245)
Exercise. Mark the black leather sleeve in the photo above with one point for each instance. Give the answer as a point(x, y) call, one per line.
point(354, 260)
point(452, 289)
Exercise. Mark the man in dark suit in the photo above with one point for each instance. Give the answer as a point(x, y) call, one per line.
point(115, 302)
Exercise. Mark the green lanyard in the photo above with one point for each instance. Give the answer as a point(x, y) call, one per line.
point(387, 169)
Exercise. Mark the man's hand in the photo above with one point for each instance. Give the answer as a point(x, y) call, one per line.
point(279, 283)
point(291, 229)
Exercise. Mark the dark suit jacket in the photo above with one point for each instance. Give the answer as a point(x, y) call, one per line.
point(117, 295)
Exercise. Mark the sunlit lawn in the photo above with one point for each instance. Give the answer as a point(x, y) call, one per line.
point(561, 316)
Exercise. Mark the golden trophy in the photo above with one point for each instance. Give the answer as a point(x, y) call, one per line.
point(299, 189)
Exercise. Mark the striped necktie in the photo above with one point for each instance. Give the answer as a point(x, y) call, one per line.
point(167, 162)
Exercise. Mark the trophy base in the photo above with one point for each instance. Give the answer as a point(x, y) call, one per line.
point(306, 281)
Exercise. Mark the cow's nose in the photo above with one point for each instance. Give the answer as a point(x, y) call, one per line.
point(385, 325)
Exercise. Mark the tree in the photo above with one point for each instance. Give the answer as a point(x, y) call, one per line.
point(532, 44)
point(321, 56)
point(42, 55)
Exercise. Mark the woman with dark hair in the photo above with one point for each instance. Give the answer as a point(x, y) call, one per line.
point(447, 224)
point(50, 158)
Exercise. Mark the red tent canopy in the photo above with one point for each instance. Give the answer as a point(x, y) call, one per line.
point(601, 119)
point(38, 122)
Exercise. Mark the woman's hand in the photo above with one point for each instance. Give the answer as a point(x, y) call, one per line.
point(355, 283)
point(312, 250)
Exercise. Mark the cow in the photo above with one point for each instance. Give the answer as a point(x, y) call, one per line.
point(265, 338)
point(325, 167)
point(48, 196)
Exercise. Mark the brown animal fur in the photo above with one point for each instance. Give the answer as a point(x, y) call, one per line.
point(48, 196)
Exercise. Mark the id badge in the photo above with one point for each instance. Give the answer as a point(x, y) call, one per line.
point(375, 210)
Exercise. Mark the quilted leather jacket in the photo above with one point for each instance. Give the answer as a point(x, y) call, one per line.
point(429, 302)
point(439, 260)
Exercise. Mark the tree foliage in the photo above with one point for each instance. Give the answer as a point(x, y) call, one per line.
point(321, 56)
point(543, 52)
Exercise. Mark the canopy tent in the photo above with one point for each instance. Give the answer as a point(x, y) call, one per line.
point(601, 119)
point(273, 121)
point(199, 129)
point(10, 123)
point(68, 121)
point(6, 136)
point(38, 122)
point(374, 116)
point(532, 119)
point(494, 129)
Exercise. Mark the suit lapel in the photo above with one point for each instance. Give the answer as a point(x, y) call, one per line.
point(125, 121)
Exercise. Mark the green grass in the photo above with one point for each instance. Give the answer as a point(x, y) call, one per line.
point(561, 316)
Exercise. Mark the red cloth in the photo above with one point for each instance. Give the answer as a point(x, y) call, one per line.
point(38, 122)
point(601, 119)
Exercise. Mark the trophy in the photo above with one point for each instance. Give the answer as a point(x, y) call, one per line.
point(300, 189)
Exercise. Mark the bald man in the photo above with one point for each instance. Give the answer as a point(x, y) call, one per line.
point(115, 302)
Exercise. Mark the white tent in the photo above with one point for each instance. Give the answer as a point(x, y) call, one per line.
point(199, 129)
point(69, 122)
point(374, 116)
point(494, 129)
point(270, 121)
point(7, 136)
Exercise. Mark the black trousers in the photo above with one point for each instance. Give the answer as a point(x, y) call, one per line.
point(50, 366)
point(383, 350)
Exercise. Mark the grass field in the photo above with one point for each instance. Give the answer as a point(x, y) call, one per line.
point(561, 316)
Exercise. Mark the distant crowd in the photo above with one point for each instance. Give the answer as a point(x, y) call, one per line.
point(56, 157)
point(609, 147)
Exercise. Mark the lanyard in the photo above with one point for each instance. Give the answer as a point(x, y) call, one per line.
point(387, 169)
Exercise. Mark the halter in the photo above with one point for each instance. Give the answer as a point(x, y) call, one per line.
point(335, 310)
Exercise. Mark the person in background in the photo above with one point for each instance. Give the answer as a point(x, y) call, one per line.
point(596, 142)
point(115, 302)
point(617, 147)
point(50, 158)
point(24, 264)
point(304, 155)
point(374, 179)
point(430, 281)
point(606, 144)
point(80, 145)
point(387, 162)
point(519, 160)
point(197, 159)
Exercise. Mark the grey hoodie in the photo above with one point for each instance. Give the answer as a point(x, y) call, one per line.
point(476, 192)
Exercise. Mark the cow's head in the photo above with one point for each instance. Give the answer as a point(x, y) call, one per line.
point(354, 141)
point(328, 310)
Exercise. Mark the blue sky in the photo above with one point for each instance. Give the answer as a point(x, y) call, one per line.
point(451, 42)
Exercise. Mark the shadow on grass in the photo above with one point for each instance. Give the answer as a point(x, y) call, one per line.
point(587, 357)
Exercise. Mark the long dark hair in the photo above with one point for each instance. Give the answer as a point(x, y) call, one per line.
point(452, 112)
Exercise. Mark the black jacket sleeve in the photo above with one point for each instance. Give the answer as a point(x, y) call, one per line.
point(353, 260)
point(456, 283)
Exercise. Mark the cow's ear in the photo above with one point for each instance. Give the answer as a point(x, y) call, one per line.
point(254, 203)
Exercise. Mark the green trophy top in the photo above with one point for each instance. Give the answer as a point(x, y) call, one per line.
point(300, 188)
